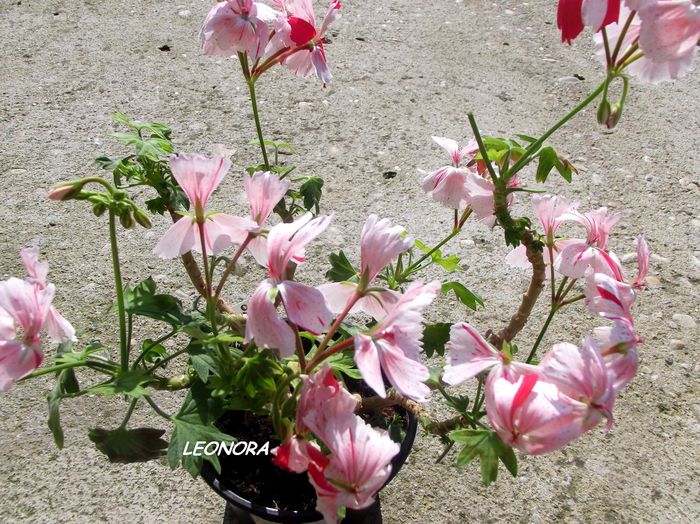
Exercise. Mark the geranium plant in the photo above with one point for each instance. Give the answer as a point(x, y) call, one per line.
point(287, 357)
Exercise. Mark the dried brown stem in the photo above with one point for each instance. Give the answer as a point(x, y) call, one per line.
point(529, 299)
point(392, 399)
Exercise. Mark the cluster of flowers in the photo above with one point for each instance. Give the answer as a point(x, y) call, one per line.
point(26, 310)
point(392, 345)
point(360, 456)
point(540, 408)
point(658, 37)
point(288, 35)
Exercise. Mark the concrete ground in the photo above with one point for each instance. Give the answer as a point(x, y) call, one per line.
point(404, 71)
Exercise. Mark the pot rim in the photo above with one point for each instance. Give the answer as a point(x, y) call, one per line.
point(212, 478)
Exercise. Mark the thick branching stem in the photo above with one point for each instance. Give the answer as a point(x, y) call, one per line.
point(393, 398)
point(534, 255)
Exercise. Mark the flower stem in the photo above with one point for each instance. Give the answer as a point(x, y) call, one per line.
point(552, 312)
point(620, 38)
point(482, 147)
point(231, 266)
point(156, 408)
point(129, 412)
point(536, 145)
point(123, 342)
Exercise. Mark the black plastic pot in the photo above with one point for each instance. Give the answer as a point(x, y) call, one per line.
point(240, 510)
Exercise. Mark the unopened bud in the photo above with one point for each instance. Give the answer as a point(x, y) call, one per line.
point(127, 219)
point(604, 112)
point(615, 114)
point(142, 218)
point(99, 208)
point(66, 190)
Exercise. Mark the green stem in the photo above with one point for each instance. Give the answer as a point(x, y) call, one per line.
point(166, 360)
point(129, 412)
point(258, 128)
point(620, 38)
point(123, 342)
point(152, 345)
point(156, 408)
point(231, 266)
point(482, 148)
point(547, 322)
point(538, 143)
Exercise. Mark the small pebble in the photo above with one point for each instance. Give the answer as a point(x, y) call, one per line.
point(684, 321)
point(669, 361)
point(659, 258)
point(653, 281)
point(677, 345)
point(184, 13)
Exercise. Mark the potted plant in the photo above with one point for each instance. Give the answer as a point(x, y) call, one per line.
point(327, 382)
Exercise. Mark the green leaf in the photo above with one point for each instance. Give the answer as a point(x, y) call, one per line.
point(142, 300)
point(435, 336)
point(341, 268)
point(486, 445)
point(131, 382)
point(129, 445)
point(66, 383)
point(344, 362)
point(449, 263)
point(311, 191)
point(465, 296)
point(153, 352)
point(548, 159)
point(256, 375)
point(193, 423)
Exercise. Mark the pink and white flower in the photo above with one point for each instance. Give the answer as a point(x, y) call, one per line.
point(57, 327)
point(551, 212)
point(580, 254)
point(263, 190)
point(532, 415)
point(469, 354)
point(642, 262)
point(447, 184)
point(618, 345)
point(199, 177)
point(359, 466)
point(380, 243)
point(295, 29)
point(668, 56)
point(305, 306)
point(609, 297)
point(394, 344)
point(23, 311)
point(581, 374)
point(237, 26)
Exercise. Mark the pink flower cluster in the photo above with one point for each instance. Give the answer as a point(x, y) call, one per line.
point(464, 182)
point(575, 257)
point(26, 310)
point(541, 408)
point(665, 31)
point(359, 459)
point(289, 35)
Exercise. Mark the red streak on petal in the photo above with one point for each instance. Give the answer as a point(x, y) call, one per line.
point(523, 392)
point(302, 31)
point(569, 19)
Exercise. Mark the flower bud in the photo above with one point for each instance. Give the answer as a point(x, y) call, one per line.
point(99, 208)
point(615, 114)
point(142, 218)
point(604, 112)
point(66, 190)
point(126, 218)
